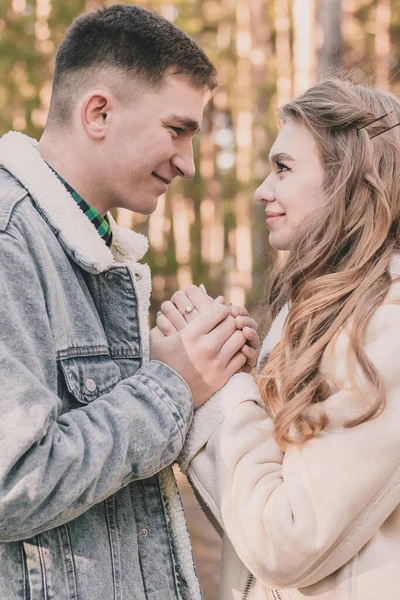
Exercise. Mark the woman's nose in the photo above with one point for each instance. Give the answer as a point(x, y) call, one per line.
point(265, 192)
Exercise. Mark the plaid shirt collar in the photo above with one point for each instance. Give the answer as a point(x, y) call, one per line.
point(101, 223)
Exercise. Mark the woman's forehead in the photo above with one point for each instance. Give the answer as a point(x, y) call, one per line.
point(295, 140)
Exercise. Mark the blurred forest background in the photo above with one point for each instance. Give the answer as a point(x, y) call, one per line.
point(210, 229)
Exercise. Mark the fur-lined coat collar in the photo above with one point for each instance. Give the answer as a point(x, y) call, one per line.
point(20, 156)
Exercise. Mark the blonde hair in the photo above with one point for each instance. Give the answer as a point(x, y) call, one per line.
point(337, 270)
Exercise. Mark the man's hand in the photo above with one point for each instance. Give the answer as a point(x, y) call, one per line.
point(206, 353)
point(173, 317)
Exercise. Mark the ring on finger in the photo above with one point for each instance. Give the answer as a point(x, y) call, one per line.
point(159, 312)
point(188, 309)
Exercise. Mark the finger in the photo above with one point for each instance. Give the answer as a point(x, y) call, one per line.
point(249, 352)
point(207, 321)
point(156, 334)
point(251, 356)
point(221, 334)
point(185, 306)
point(236, 364)
point(200, 301)
point(251, 336)
point(231, 347)
point(173, 315)
point(203, 289)
point(165, 325)
point(234, 310)
point(245, 321)
point(237, 311)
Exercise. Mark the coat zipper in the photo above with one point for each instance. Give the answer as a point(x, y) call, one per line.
point(278, 595)
point(249, 584)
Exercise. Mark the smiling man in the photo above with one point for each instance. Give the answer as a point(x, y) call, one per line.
point(88, 503)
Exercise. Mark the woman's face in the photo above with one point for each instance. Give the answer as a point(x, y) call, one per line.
point(293, 192)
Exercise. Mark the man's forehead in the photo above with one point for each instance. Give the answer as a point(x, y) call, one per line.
point(178, 89)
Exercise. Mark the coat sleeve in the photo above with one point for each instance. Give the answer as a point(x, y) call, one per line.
point(296, 517)
point(54, 465)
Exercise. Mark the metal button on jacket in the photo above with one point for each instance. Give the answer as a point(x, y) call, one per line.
point(90, 384)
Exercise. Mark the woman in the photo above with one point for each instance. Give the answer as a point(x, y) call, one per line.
point(304, 476)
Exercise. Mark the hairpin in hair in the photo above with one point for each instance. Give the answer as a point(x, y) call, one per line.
point(385, 130)
point(374, 121)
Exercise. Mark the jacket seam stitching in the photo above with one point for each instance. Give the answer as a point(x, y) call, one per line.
point(146, 385)
point(110, 539)
point(24, 568)
point(343, 538)
point(42, 564)
point(8, 210)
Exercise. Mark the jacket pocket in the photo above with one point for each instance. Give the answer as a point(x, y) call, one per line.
point(89, 377)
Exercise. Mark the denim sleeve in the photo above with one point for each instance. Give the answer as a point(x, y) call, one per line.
point(55, 465)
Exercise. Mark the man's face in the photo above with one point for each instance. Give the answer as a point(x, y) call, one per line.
point(148, 143)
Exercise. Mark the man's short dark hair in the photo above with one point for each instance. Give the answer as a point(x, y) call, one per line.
point(130, 40)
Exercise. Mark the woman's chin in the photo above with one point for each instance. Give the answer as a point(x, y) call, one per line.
point(277, 242)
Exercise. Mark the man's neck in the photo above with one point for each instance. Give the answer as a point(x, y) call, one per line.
point(67, 162)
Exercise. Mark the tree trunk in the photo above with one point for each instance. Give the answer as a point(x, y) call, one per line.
point(382, 43)
point(239, 280)
point(304, 21)
point(283, 52)
point(330, 53)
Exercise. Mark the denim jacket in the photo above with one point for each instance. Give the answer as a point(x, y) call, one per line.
point(89, 508)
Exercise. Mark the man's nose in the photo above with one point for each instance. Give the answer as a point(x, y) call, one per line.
point(183, 162)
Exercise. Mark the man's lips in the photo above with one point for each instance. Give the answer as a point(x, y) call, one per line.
point(163, 179)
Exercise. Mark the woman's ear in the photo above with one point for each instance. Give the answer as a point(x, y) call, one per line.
point(95, 113)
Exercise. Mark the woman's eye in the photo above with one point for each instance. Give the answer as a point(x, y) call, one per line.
point(281, 167)
point(177, 130)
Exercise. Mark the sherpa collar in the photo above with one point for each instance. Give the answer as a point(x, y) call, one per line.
point(20, 156)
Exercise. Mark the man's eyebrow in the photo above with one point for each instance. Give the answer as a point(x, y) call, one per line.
point(185, 123)
point(279, 157)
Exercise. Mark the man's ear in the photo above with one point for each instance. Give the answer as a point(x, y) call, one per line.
point(96, 112)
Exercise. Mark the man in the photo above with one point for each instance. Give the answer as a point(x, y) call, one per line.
point(88, 504)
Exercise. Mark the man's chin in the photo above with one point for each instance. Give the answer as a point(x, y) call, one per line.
point(150, 205)
point(146, 207)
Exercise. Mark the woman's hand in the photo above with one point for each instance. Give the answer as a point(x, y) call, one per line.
point(184, 307)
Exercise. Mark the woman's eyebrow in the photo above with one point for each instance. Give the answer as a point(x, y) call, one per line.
point(279, 157)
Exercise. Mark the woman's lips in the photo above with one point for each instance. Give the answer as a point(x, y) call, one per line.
point(272, 217)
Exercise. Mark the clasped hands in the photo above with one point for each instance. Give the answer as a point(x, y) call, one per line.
point(203, 340)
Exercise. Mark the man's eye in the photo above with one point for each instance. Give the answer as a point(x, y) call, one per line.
point(177, 130)
point(282, 167)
